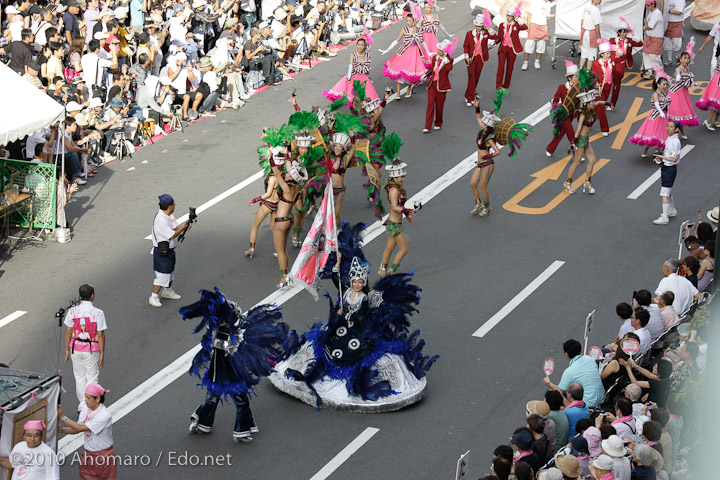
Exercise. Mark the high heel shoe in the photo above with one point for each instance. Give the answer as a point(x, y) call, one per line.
point(476, 209)
point(484, 212)
point(587, 186)
point(382, 272)
point(250, 253)
point(568, 187)
point(284, 282)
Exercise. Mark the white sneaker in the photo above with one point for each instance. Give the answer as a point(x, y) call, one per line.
point(469, 104)
point(223, 104)
point(672, 213)
point(80, 181)
point(537, 64)
point(605, 134)
point(244, 96)
point(425, 130)
point(548, 154)
point(155, 302)
point(661, 220)
point(524, 66)
point(236, 104)
point(170, 293)
point(436, 127)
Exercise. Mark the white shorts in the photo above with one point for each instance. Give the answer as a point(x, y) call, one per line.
point(163, 279)
point(672, 44)
point(586, 51)
point(530, 46)
point(665, 191)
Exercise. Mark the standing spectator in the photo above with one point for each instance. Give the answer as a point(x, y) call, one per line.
point(32, 458)
point(681, 287)
point(643, 299)
point(554, 400)
point(582, 370)
point(576, 409)
point(54, 67)
point(670, 318)
point(91, 17)
point(165, 230)
point(93, 66)
point(95, 421)
point(653, 43)
point(137, 14)
point(20, 51)
point(40, 28)
point(672, 41)
point(85, 327)
point(71, 24)
point(590, 32)
point(15, 22)
point(538, 33)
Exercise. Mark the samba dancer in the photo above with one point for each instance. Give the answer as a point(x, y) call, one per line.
point(268, 206)
point(477, 52)
point(342, 152)
point(303, 142)
point(487, 150)
point(429, 24)
point(284, 216)
point(587, 117)
point(408, 63)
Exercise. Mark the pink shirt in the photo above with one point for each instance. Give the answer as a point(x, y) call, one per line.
point(478, 44)
point(86, 321)
point(507, 41)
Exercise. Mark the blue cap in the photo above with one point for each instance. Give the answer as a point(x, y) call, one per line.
point(166, 199)
point(115, 103)
point(292, 2)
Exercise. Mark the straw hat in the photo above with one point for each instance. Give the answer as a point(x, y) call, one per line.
point(568, 465)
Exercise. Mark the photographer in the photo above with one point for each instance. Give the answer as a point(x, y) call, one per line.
point(180, 73)
point(112, 119)
point(151, 96)
point(259, 57)
point(165, 230)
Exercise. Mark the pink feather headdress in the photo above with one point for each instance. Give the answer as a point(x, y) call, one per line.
point(449, 49)
point(518, 10)
point(487, 20)
point(659, 72)
point(366, 36)
point(415, 11)
point(690, 49)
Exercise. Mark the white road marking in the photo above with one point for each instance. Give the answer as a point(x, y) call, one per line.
point(13, 316)
point(655, 176)
point(519, 298)
point(345, 453)
point(179, 367)
point(131, 169)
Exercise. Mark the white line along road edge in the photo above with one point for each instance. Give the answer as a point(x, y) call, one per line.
point(519, 298)
point(13, 316)
point(655, 176)
point(345, 453)
point(179, 367)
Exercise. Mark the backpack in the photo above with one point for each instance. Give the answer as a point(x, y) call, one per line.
point(69, 73)
point(255, 79)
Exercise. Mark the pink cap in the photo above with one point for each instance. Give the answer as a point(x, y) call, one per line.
point(95, 390)
point(34, 425)
point(648, 2)
point(593, 437)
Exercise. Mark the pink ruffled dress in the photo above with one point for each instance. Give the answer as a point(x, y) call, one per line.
point(681, 107)
point(360, 71)
point(653, 131)
point(429, 27)
point(408, 65)
point(710, 99)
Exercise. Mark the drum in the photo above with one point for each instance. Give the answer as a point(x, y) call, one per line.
point(502, 130)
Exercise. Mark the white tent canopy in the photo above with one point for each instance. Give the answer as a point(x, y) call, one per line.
point(25, 109)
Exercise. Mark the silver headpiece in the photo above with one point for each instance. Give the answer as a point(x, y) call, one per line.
point(357, 271)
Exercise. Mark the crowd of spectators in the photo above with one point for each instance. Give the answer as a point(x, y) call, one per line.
point(126, 70)
point(616, 415)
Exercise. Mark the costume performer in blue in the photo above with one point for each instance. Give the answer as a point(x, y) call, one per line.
point(238, 350)
point(364, 359)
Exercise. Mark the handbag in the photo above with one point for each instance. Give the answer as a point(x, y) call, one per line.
point(99, 91)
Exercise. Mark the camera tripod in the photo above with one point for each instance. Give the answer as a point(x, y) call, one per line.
point(119, 148)
point(307, 51)
point(390, 12)
point(176, 120)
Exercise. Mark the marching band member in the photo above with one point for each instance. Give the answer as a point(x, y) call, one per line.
point(571, 76)
point(622, 57)
point(477, 52)
point(603, 70)
point(510, 47)
point(439, 84)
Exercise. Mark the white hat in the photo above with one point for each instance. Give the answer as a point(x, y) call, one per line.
point(96, 102)
point(341, 138)
point(478, 22)
point(61, 8)
point(614, 446)
point(278, 156)
point(10, 9)
point(304, 139)
point(490, 119)
point(187, 12)
point(180, 56)
point(165, 80)
point(264, 25)
point(603, 462)
point(73, 107)
point(396, 170)
point(105, 11)
point(587, 96)
point(550, 474)
point(623, 25)
point(570, 68)
point(158, 19)
point(712, 215)
point(444, 44)
point(298, 172)
point(100, 35)
point(80, 120)
point(279, 14)
point(372, 105)
point(198, 3)
point(603, 47)
point(121, 12)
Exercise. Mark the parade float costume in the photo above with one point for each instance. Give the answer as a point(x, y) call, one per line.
point(653, 131)
point(710, 99)
point(364, 359)
point(237, 351)
point(681, 107)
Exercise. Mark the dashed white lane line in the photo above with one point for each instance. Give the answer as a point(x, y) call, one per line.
point(655, 176)
point(345, 453)
point(518, 299)
point(12, 317)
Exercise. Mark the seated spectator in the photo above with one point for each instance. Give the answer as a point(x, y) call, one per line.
point(541, 444)
point(227, 73)
point(79, 93)
point(594, 440)
point(707, 268)
point(610, 369)
point(140, 69)
point(523, 442)
point(550, 474)
point(72, 152)
point(698, 336)
point(614, 448)
point(705, 232)
point(601, 467)
point(582, 425)
point(180, 73)
point(633, 393)
point(643, 298)
point(674, 427)
point(607, 431)
point(652, 432)
point(576, 409)
point(642, 463)
point(501, 467)
point(657, 383)
point(569, 466)
point(689, 268)
point(151, 96)
point(685, 292)
point(32, 69)
point(523, 471)
point(555, 402)
point(686, 368)
point(670, 317)
point(504, 452)
point(259, 57)
point(579, 449)
point(582, 370)
point(623, 420)
point(640, 320)
point(624, 311)
point(662, 416)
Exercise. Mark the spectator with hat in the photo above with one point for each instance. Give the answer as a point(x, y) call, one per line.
point(71, 24)
point(642, 463)
point(523, 442)
point(15, 23)
point(32, 69)
point(615, 449)
point(601, 468)
point(569, 466)
point(542, 409)
point(550, 474)
point(580, 450)
point(594, 439)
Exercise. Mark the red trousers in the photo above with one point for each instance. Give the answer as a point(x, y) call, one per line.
point(474, 71)
point(618, 74)
point(601, 110)
point(567, 130)
point(436, 103)
point(506, 63)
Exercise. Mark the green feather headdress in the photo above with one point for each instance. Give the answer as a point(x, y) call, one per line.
point(303, 119)
point(359, 87)
point(500, 93)
point(311, 158)
point(391, 147)
point(586, 79)
point(276, 137)
point(339, 103)
point(346, 122)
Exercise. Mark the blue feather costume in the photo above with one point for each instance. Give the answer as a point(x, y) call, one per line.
point(364, 358)
point(238, 350)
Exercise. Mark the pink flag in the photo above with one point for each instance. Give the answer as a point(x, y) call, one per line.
point(322, 239)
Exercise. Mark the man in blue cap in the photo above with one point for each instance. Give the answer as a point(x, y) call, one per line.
point(164, 232)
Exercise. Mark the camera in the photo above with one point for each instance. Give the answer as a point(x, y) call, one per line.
point(192, 215)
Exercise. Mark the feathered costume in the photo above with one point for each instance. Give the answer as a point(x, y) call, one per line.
point(237, 351)
point(571, 104)
point(507, 131)
point(365, 359)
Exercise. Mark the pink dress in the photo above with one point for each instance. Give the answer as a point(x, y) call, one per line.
point(710, 99)
point(653, 131)
point(408, 65)
point(681, 107)
point(429, 28)
point(360, 71)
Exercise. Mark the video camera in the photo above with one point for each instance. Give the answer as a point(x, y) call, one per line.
point(60, 314)
point(192, 218)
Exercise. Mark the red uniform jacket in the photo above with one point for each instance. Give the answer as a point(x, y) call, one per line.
point(560, 93)
point(443, 81)
point(469, 45)
point(600, 73)
point(514, 35)
point(626, 57)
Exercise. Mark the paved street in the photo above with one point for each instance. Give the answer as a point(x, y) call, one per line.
point(468, 267)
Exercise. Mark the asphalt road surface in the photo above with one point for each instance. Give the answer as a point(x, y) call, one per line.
point(601, 247)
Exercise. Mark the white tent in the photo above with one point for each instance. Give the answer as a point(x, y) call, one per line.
point(25, 108)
